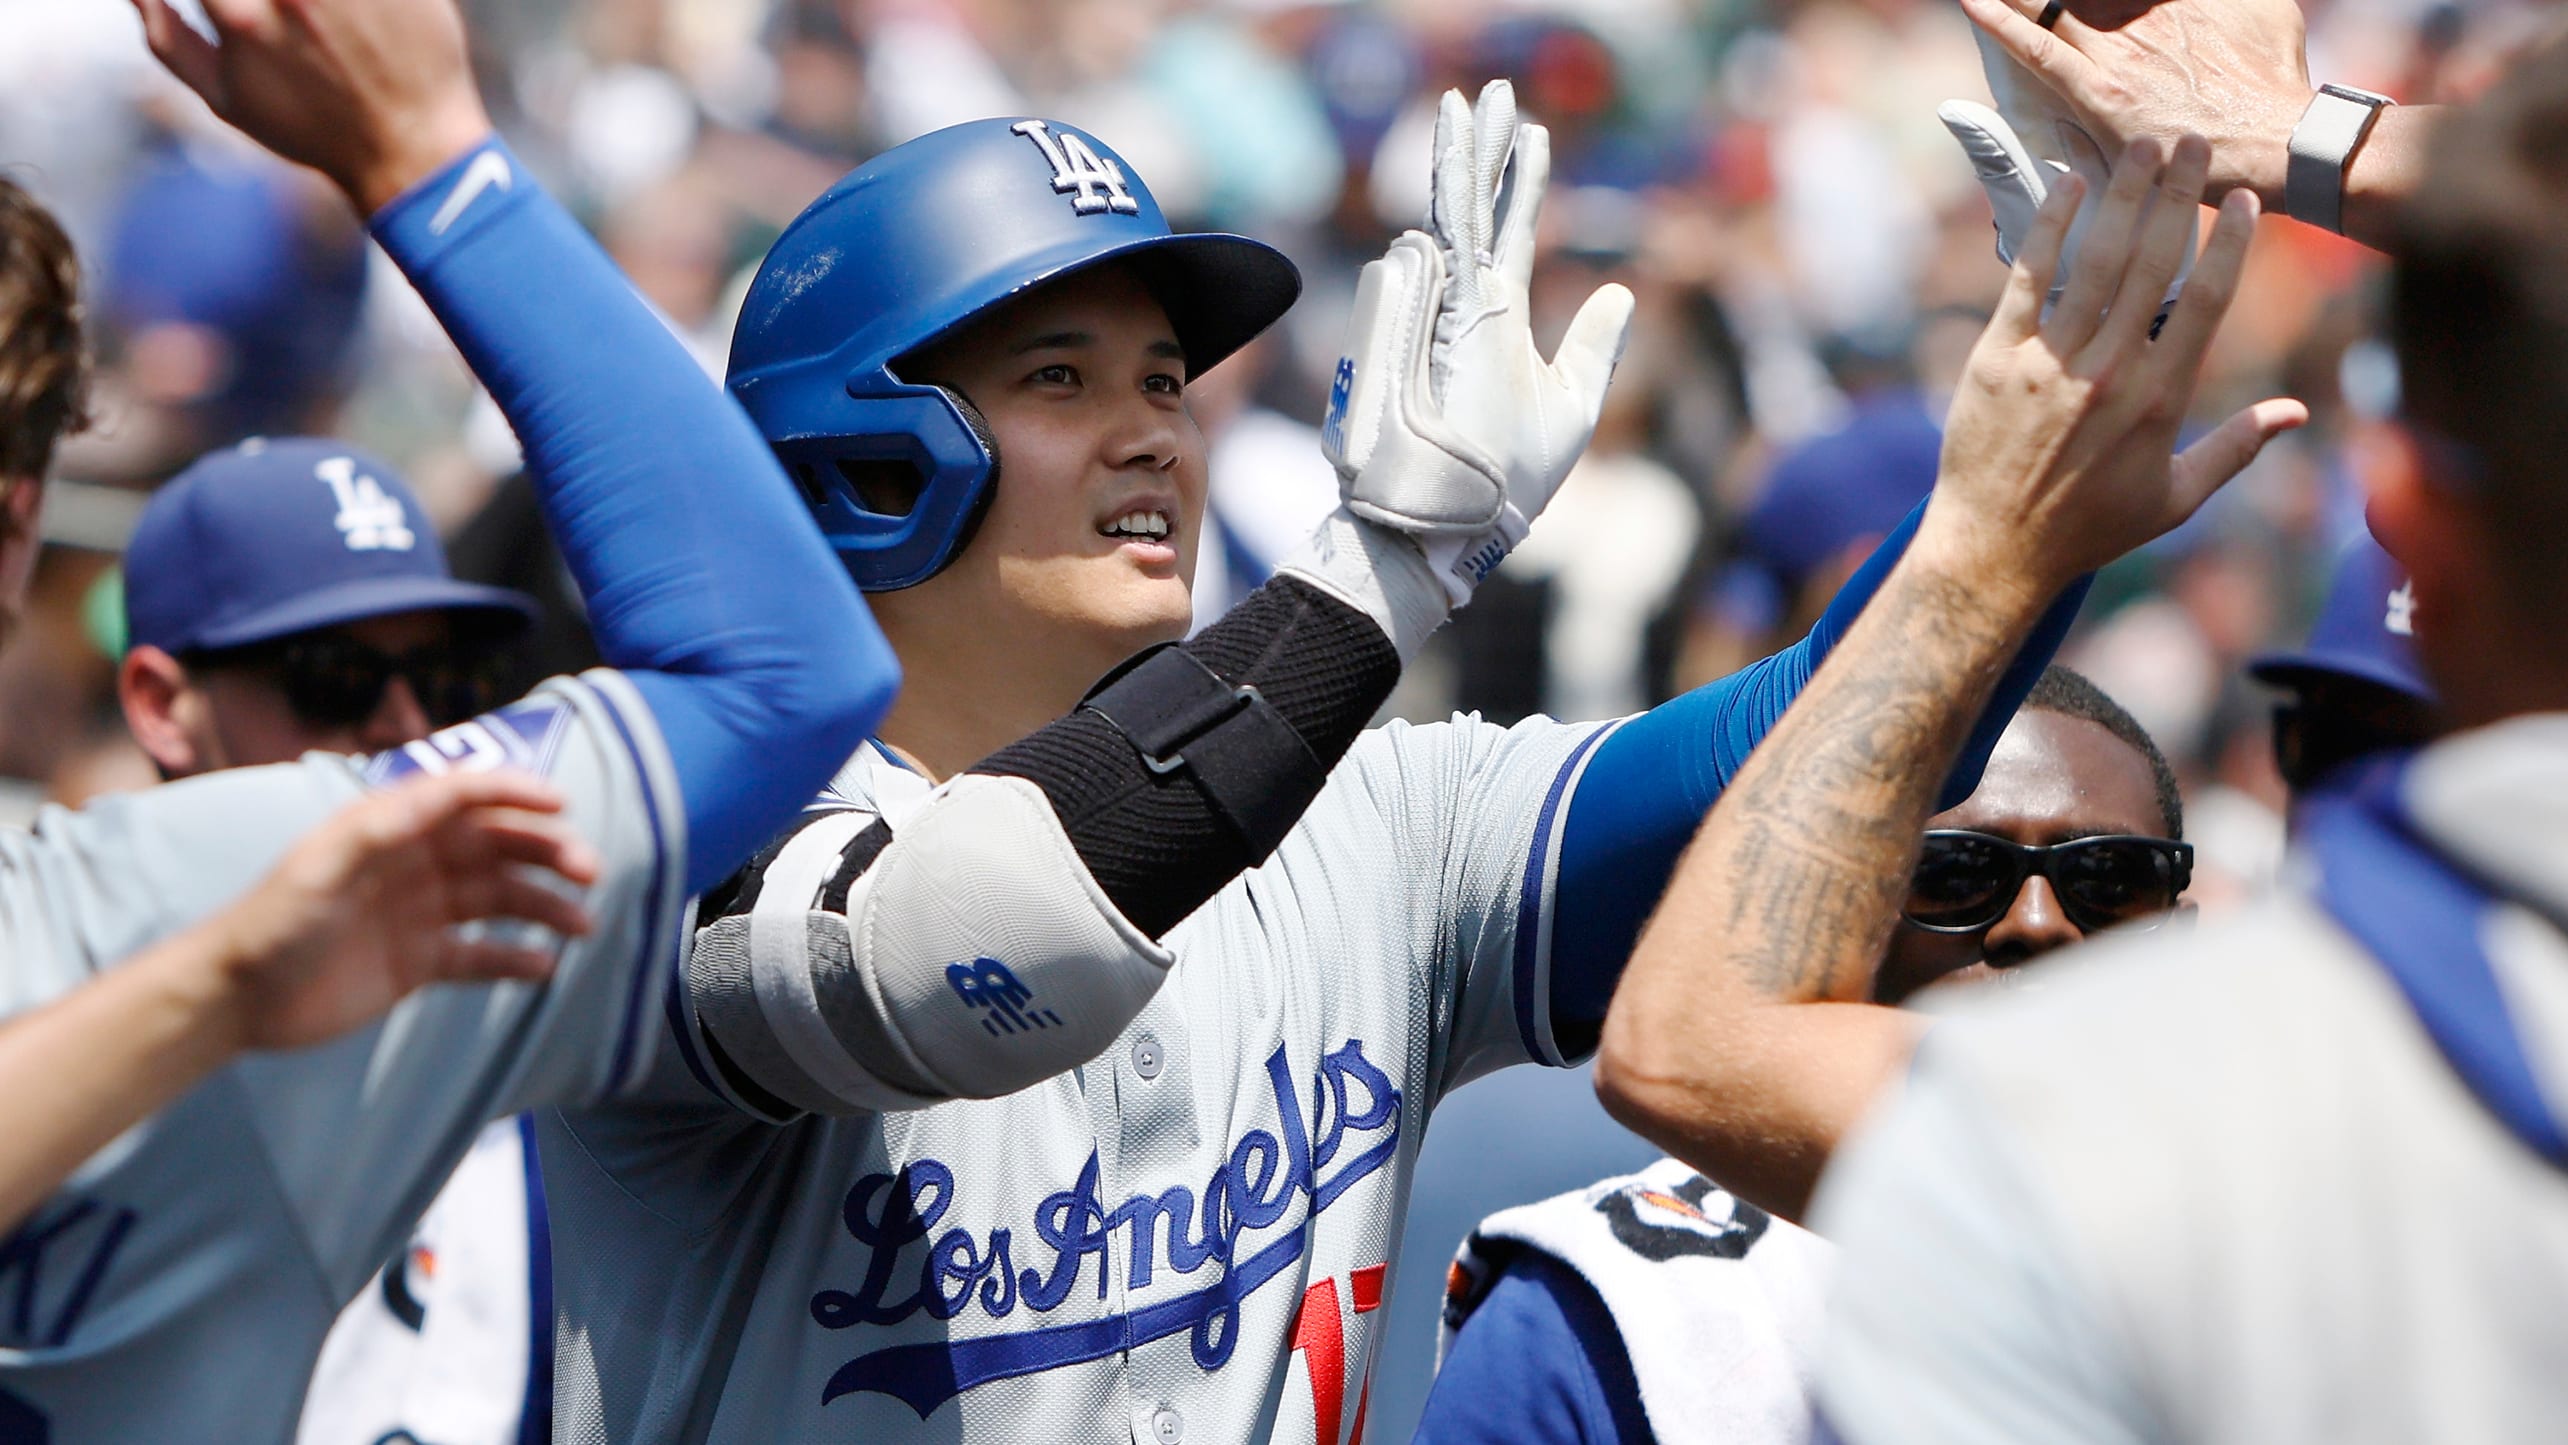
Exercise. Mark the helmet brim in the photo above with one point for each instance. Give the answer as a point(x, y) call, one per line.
point(1220, 290)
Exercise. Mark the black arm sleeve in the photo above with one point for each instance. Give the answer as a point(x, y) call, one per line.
point(1161, 840)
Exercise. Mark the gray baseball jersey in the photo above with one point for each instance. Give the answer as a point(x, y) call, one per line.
point(179, 1286)
point(1188, 1238)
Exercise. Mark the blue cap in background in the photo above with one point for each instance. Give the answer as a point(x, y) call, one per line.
point(271, 538)
point(2366, 631)
point(1846, 486)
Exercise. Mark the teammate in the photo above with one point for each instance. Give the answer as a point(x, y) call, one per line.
point(44, 380)
point(2300, 1179)
point(357, 915)
point(182, 1280)
point(288, 596)
point(838, 1228)
point(2354, 689)
point(1732, 1043)
point(1659, 1306)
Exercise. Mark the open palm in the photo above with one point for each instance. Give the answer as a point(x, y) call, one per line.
point(2059, 453)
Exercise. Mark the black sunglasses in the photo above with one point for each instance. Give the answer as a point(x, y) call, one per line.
point(1966, 881)
point(333, 680)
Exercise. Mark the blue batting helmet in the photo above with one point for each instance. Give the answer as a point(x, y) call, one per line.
point(908, 247)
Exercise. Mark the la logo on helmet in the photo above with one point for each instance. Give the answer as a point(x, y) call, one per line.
point(1092, 182)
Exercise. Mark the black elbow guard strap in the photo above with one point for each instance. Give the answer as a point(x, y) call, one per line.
point(1190, 764)
point(1254, 769)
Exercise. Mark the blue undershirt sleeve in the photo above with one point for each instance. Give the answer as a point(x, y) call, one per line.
point(1538, 1363)
point(1650, 783)
point(705, 579)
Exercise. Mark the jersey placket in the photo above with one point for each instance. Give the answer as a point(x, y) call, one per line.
point(1158, 1145)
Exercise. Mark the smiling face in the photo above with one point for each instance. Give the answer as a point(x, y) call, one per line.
point(2052, 778)
point(1087, 553)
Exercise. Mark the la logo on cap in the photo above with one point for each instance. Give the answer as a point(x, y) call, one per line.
point(2401, 619)
point(369, 520)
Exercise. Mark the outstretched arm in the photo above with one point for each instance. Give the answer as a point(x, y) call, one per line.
point(361, 912)
point(2234, 71)
point(1734, 1040)
point(705, 579)
point(1645, 793)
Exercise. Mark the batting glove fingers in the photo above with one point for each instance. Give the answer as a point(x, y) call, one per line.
point(1445, 423)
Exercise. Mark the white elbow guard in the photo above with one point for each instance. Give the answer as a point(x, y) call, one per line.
point(971, 957)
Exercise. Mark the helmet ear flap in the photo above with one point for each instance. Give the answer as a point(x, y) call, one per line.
point(980, 426)
point(899, 483)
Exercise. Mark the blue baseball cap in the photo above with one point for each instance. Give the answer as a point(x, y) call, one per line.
point(2366, 630)
point(1852, 484)
point(271, 538)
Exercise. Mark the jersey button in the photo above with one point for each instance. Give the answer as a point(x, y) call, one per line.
point(1166, 1425)
point(1147, 1061)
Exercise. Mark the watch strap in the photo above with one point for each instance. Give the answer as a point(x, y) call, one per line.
point(2338, 120)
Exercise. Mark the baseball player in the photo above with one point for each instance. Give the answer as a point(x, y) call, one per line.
point(2354, 689)
point(180, 1283)
point(314, 945)
point(1129, 1162)
point(267, 618)
point(1728, 1045)
point(1659, 1307)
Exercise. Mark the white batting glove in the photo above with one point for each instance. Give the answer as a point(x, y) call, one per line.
point(2020, 148)
point(1445, 423)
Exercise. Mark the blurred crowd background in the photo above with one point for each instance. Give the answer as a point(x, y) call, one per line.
point(1810, 252)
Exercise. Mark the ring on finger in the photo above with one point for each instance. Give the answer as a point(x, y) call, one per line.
point(2050, 18)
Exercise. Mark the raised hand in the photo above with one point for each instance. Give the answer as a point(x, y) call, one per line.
point(2021, 148)
point(366, 907)
point(374, 94)
point(2058, 451)
point(2235, 72)
point(1446, 423)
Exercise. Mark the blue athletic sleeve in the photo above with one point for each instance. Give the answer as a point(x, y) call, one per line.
point(705, 579)
point(1650, 783)
point(1538, 1363)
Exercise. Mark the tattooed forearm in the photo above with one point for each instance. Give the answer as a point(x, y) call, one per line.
point(1808, 853)
point(1734, 1039)
point(1789, 893)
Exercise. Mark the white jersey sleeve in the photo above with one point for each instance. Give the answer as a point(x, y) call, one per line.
point(207, 1250)
point(892, 954)
point(1458, 826)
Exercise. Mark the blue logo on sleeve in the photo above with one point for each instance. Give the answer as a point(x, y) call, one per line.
point(1248, 1200)
point(523, 735)
point(986, 983)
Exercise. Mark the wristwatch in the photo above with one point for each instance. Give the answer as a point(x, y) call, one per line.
point(2323, 145)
